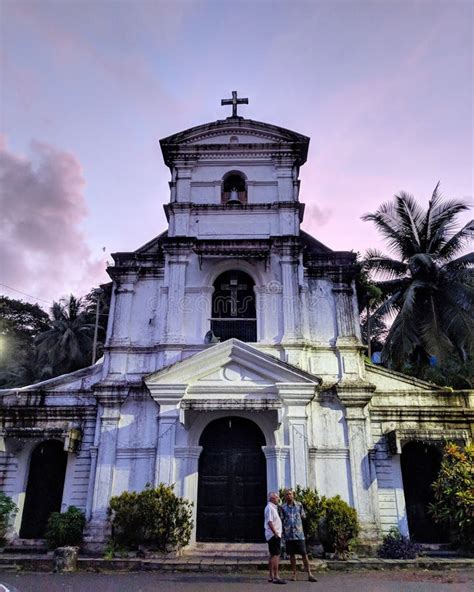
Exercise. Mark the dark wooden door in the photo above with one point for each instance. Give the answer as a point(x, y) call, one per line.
point(44, 491)
point(420, 463)
point(232, 482)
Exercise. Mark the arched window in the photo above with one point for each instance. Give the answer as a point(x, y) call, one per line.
point(234, 188)
point(233, 307)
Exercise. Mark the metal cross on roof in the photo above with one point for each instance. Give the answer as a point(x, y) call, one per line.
point(234, 101)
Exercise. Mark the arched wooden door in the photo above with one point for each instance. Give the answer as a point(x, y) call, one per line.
point(45, 486)
point(232, 482)
point(420, 463)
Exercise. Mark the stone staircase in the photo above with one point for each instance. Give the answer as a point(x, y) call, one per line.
point(26, 546)
point(228, 551)
point(442, 550)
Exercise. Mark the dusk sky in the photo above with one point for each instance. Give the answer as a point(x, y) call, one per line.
point(384, 90)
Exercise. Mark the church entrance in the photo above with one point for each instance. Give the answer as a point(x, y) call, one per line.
point(420, 463)
point(232, 482)
point(44, 491)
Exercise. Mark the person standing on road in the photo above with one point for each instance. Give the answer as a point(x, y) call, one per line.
point(293, 514)
point(273, 528)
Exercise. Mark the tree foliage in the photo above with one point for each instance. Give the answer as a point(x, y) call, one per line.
point(20, 322)
point(454, 493)
point(428, 285)
point(35, 345)
point(340, 526)
point(157, 518)
point(67, 345)
point(65, 528)
point(396, 546)
point(8, 509)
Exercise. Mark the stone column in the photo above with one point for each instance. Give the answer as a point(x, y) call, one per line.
point(187, 475)
point(177, 259)
point(183, 182)
point(284, 174)
point(90, 491)
point(355, 399)
point(105, 456)
point(397, 481)
point(168, 398)
point(344, 313)
point(106, 452)
point(291, 302)
point(123, 310)
point(296, 399)
point(276, 457)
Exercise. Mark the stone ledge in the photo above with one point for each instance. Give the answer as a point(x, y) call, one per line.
point(40, 563)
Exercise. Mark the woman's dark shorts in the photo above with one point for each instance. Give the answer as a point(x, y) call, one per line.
point(274, 546)
point(295, 547)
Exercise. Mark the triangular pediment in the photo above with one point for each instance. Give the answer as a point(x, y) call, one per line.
point(231, 364)
point(232, 132)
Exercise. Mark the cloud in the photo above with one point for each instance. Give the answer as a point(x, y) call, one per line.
point(316, 216)
point(43, 249)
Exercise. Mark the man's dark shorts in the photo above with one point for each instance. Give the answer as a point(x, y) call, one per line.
point(274, 546)
point(295, 547)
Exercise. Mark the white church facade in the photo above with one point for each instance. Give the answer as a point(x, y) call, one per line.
point(233, 365)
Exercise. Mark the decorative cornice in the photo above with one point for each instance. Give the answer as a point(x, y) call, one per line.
point(242, 403)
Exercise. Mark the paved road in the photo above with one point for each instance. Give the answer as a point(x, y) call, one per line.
point(370, 581)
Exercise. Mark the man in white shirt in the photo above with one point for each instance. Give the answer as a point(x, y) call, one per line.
point(273, 529)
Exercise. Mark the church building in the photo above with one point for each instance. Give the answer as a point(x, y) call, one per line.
point(233, 366)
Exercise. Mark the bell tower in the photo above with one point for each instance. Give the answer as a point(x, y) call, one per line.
point(234, 179)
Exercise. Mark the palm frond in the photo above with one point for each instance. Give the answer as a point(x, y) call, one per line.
point(384, 266)
point(410, 217)
point(464, 262)
point(433, 204)
point(457, 243)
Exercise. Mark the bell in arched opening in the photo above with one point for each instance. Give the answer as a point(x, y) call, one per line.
point(234, 189)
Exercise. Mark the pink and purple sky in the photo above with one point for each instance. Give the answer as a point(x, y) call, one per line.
point(384, 89)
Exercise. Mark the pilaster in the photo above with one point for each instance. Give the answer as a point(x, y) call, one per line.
point(296, 398)
point(289, 261)
point(123, 301)
point(177, 260)
point(355, 397)
point(168, 398)
point(187, 464)
point(277, 458)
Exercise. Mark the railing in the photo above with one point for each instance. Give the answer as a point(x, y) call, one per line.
point(243, 329)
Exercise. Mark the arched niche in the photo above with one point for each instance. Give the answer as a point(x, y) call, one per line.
point(234, 311)
point(234, 188)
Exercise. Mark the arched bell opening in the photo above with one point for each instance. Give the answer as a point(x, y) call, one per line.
point(234, 189)
point(232, 482)
point(234, 312)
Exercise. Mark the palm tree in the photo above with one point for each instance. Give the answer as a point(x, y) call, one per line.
point(67, 345)
point(428, 287)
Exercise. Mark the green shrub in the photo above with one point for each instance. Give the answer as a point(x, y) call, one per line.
point(312, 506)
point(8, 509)
point(396, 546)
point(65, 528)
point(339, 526)
point(156, 518)
point(454, 494)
